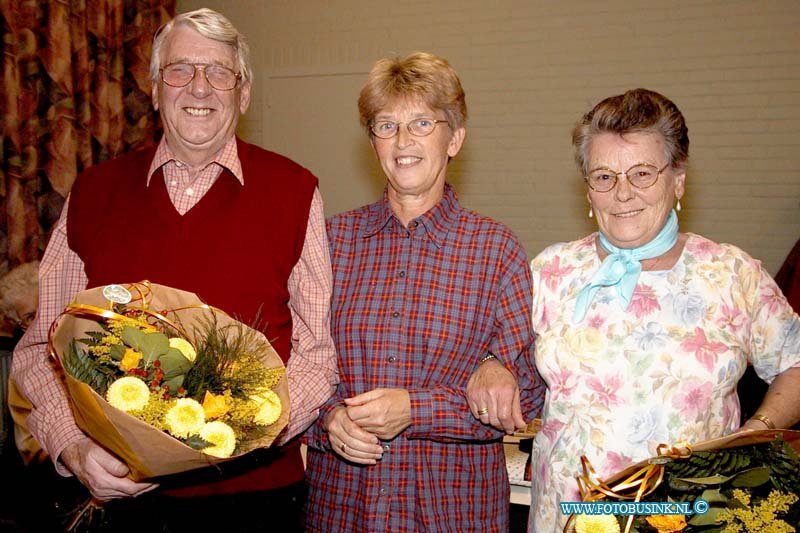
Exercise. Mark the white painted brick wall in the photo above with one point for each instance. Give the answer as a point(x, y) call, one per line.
point(530, 70)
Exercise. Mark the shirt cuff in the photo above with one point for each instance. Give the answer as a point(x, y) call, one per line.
point(421, 411)
point(316, 437)
point(60, 467)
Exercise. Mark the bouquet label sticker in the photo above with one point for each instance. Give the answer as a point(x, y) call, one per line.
point(117, 294)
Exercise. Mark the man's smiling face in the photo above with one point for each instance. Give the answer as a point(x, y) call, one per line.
point(198, 119)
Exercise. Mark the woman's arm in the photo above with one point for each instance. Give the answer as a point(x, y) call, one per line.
point(781, 405)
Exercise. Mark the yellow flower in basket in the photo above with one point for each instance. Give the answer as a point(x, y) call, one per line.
point(605, 523)
point(130, 359)
point(185, 418)
point(128, 394)
point(269, 407)
point(185, 347)
point(214, 405)
point(222, 438)
point(667, 523)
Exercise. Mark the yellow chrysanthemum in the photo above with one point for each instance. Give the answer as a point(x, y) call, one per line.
point(222, 438)
point(604, 523)
point(185, 418)
point(185, 347)
point(128, 394)
point(269, 407)
point(667, 523)
point(130, 359)
point(214, 405)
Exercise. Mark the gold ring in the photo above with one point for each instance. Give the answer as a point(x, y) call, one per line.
point(483, 411)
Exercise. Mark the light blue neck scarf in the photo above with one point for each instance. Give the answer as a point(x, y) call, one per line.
point(622, 267)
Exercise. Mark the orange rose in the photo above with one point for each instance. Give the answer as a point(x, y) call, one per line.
point(214, 406)
point(130, 359)
point(667, 523)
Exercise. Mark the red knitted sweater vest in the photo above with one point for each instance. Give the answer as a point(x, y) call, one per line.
point(235, 249)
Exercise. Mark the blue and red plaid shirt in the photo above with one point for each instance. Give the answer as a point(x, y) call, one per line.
point(417, 307)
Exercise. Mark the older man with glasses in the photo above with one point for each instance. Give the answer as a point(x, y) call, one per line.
point(205, 212)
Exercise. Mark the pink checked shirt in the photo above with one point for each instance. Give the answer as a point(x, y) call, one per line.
point(311, 369)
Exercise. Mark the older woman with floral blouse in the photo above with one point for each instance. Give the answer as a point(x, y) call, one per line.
point(643, 331)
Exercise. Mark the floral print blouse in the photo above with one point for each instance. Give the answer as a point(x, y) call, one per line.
point(621, 382)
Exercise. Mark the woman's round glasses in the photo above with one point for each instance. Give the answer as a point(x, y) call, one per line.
point(420, 127)
point(641, 176)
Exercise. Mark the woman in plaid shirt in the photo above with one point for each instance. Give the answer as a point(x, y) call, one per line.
point(425, 291)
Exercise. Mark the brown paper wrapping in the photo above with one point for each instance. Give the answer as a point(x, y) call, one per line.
point(148, 451)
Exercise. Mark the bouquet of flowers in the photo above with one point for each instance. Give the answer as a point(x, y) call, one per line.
point(750, 482)
point(168, 383)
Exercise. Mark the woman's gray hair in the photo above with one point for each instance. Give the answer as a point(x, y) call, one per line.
point(635, 111)
point(211, 25)
point(19, 289)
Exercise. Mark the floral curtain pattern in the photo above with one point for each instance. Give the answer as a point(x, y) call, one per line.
point(75, 92)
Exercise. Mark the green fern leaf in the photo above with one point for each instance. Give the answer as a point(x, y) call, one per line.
point(78, 364)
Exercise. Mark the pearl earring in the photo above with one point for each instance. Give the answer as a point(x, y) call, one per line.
point(678, 205)
point(591, 213)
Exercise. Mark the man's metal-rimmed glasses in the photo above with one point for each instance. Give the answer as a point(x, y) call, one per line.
point(419, 127)
point(640, 175)
point(181, 74)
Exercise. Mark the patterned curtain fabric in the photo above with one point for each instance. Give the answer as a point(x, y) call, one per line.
point(75, 92)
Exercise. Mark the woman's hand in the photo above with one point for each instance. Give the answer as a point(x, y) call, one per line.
point(383, 412)
point(349, 441)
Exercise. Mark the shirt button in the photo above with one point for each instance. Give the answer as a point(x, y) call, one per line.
point(395, 314)
point(383, 491)
point(174, 182)
point(392, 358)
point(386, 448)
point(190, 191)
point(402, 274)
point(416, 223)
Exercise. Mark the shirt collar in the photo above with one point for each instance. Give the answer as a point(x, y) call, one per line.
point(437, 221)
point(227, 157)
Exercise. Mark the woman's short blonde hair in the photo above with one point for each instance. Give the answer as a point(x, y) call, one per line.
point(637, 110)
point(211, 25)
point(419, 75)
